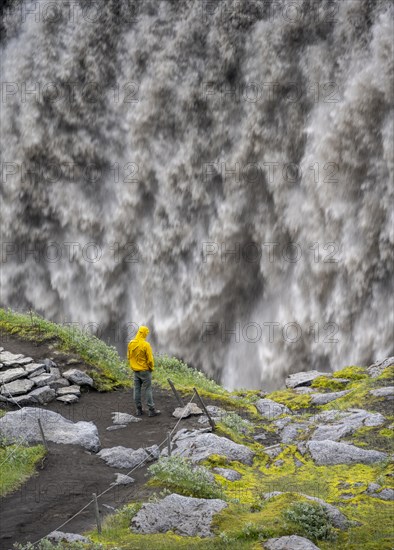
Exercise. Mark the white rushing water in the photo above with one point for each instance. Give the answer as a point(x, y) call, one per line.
point(158, 136)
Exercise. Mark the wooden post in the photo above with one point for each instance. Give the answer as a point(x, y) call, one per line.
point(211, 420)
point(97, 513)
point(169, 443)
point(177, 396)
point(42, 434)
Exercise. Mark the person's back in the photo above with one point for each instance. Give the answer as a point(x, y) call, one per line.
point(140, 356)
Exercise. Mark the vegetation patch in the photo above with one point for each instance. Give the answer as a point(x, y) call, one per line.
point(17, 464)
point(179, 475)
point(310, 520)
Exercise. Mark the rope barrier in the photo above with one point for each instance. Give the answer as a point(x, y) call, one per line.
point(111, 486)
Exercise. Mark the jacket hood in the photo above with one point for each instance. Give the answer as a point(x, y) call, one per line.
point(141, 335)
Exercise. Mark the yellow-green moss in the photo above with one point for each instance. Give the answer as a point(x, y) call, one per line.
point(351, 373)
point(291, 399)
point(387, 374)
point(326, 383)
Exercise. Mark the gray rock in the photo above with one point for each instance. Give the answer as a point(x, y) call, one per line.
point(23, 423)
point(344, 423)
point(123, 418)
point(55, 371)
point(59, 536)
point(199, 446)
point(43, 395)
point(153, 452)
point(22, 400)
point(16, 360)
point(330, 452)
point(373, 487)
point(78, 377)
point(8, 358)
point(3, 399)
point(338, 519)
point(282, 422)
point(374, 370)
point(279, 463)
point(43, 379)
point(59, 383)
point(227, 473)
point(183, 515)
point(298, 463)
point(123, 457)
point(18, 387)
point(117, 427)
point(324, 398)
point(304, 390)
point(122, 479)
point(69, 390)
point(11, 374)
point(271, 409)
point(34, 369)
point(260, 437)
point(304, 378)
point(388, 391)
point(48, 364)
point(293, 431)
point(384, 494)
point(68, 399)
point(342, 380)
point(188, 410)
point(293, 542)
point(273, 451)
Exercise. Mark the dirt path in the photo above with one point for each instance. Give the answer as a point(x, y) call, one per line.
point(71, 474)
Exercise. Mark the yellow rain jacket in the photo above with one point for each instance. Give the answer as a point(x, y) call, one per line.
point(139, 352)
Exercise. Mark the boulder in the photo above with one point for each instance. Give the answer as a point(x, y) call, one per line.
point(374, 370)
point(22, 400)
point(328, 453)
point(123, 457)
point(302, 390)
point(273, 451)
point(344, 423)
point(293, 542)
point(198, 446)
point(7, 357)
point(59, 536)
point(69, 390)
point(43, 395)
point(271, 409)
point(68, 399)
point(227, 473)
point(153, 452)
point(123, 418)
point(304, 378)
point(387, 391)
point(260, 437)
point(183, 515)
point(188, 410)
point(10, 375)
point(23, 423)
point(374, 490)
point(324, 398)
point(18, 387)
point(78, 377)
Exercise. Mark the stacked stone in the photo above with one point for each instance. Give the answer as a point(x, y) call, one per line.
point(26, 382)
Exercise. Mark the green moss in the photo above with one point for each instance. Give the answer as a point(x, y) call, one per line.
point(387, 374)
point(18, 463)
point(291, 399)
point(326, 383)
point(351, 373)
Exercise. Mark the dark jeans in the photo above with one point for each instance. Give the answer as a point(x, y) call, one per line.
point(143, 379)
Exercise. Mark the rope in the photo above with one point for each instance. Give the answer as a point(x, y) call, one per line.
point(111, 486)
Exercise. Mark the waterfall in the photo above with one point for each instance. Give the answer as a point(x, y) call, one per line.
point(219, 171)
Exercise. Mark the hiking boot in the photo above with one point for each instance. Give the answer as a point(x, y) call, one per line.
point(139, 412)
point(154, 412)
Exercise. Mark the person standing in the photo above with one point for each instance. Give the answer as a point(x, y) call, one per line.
point(141, 361)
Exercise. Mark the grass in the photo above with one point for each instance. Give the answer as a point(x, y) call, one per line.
point(18, 463)
point(249, 519)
